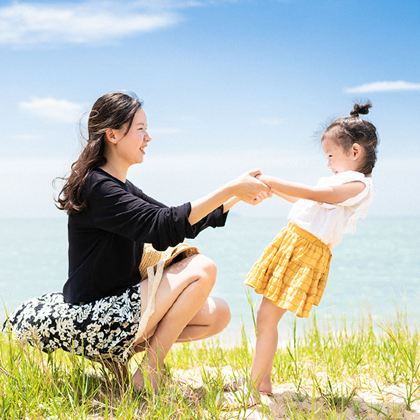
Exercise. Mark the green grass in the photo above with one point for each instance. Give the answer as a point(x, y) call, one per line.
point(319, 375)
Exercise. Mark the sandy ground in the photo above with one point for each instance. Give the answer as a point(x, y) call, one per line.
point(367, 403)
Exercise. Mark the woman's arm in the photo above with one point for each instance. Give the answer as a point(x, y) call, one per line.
point(235, 200)
point(113, 209)
point(227, 205)
point(331, 194)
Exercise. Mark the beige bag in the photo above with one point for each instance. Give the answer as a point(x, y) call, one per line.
point(151, 257)
point(151, 267)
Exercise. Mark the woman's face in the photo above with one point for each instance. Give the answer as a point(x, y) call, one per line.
point(131, 146)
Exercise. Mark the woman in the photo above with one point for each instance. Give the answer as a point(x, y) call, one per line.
point(109, 222)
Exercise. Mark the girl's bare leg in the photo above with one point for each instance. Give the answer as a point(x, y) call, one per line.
point(183, 292)
point(268, 317)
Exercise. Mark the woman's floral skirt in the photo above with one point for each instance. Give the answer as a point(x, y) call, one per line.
point(99, 330)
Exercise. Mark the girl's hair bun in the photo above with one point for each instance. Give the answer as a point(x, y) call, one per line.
point(360, 109)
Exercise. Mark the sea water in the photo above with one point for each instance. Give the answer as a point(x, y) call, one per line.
point(375, 272)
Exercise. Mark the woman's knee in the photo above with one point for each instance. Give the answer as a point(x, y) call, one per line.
point(221, 315)
point(206, 270)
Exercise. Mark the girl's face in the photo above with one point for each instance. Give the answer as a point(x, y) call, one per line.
point(131, 146)
point(339, 159)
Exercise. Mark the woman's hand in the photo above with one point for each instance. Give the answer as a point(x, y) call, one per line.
point(247, 187)
point(261, 197)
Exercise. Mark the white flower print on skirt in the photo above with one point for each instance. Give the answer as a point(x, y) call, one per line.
point(103, 329)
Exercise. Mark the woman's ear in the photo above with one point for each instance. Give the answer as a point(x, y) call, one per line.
point(110, 136)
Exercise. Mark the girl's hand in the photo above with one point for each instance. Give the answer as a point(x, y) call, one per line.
point(264, 178)
point(247, 187)
point(255, 172)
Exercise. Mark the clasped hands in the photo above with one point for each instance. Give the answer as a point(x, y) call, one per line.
point(251, 188)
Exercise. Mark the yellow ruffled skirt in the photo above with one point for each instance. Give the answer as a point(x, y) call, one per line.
point(292, 271)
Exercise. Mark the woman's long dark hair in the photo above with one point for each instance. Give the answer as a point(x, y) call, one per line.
point(111, 110)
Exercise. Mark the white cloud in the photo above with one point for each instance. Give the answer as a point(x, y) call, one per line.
point(50, 108)
point(79, 23)
point(271, 121)
point(385, 86)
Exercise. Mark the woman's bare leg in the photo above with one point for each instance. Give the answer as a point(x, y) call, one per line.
point(268, 317)
point(120, 370)
point(174, 280)
point(183, 291)
point(211, 319)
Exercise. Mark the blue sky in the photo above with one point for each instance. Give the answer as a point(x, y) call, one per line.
point(227, 86)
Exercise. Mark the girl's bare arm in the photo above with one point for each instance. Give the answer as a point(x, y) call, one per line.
point(332, 195)
point(287, 197)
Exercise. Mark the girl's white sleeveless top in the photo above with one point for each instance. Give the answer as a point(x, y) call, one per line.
point(329, 222)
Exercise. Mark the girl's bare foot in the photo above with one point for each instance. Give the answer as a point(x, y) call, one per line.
point(265, 387)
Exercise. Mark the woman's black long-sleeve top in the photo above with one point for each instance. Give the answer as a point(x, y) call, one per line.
point(106, 239)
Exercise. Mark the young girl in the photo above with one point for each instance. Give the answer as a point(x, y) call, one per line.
point(292, 271)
